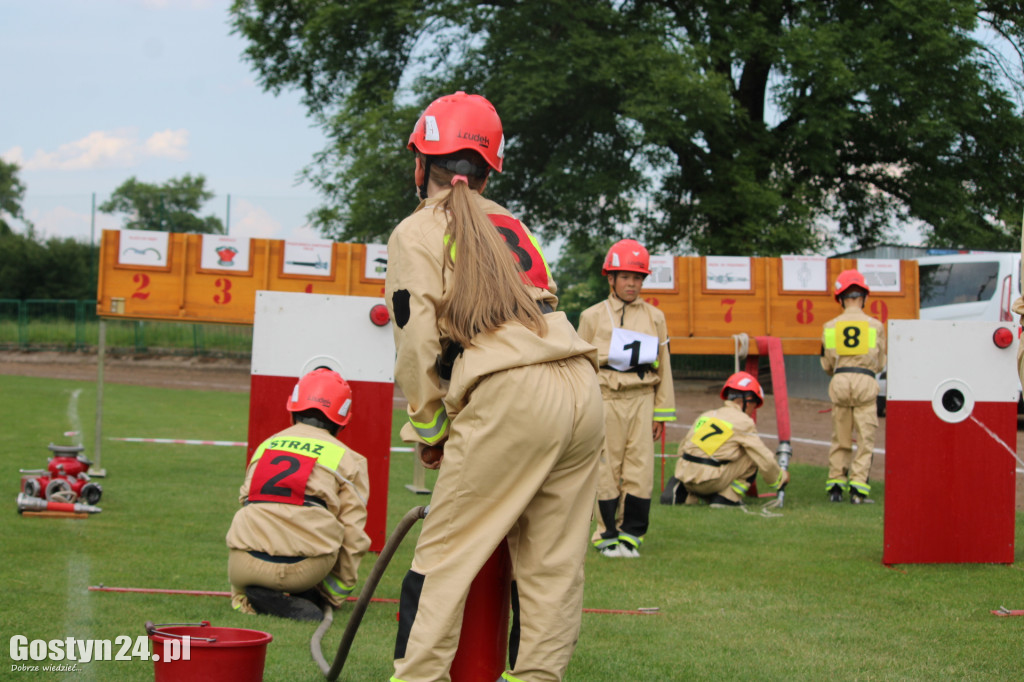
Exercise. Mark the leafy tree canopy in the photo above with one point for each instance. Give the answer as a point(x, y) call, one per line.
point(719, 127)
point(59, 267)
point(12, 192)
point(170, 207)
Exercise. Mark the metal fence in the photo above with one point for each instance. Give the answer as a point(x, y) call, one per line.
point(64, 325)
point(70, 326)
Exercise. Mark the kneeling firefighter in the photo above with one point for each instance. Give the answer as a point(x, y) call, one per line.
point(297, 541)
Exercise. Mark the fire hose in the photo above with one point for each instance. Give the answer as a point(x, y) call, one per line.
point(329, 671)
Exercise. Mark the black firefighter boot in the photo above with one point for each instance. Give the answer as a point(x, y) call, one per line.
point(636, 513)
point(609, 545)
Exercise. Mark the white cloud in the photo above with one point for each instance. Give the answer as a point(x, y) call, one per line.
point(105, 149)
point(170, 144)
point(250, 220)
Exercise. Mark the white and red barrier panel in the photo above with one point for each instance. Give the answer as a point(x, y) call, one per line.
point(951, 434)
point(294, 333)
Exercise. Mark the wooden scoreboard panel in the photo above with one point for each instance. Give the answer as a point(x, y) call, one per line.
point(704, 304)
point(703, 312)
point(179, 286)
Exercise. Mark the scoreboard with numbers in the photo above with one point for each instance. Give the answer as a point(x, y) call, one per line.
point(214, 278)
point(707, 300)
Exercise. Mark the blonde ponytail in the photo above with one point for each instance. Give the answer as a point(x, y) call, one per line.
point(487, 288)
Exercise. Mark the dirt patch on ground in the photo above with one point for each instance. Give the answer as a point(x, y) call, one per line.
point(810, 421)
point(215, 374)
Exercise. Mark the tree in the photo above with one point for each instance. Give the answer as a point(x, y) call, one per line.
point(12, 192)
point(60, 267)
point(171, 207)
point(720, 127)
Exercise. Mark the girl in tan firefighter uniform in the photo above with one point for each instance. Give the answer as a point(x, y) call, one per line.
point(636, 384)
point(1018, 308)
point(300, 530)
point(503, 397)
point(852, 353)
point(722, 453)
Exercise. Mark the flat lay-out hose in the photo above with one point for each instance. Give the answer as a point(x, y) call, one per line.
point(331, 672)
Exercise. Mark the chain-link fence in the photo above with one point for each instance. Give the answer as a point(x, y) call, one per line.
point(63, 325)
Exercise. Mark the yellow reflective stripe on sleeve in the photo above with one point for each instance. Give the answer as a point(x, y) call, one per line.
point(664, 415)
point(872, 337)
point(434, 430)
point(395, 679)
point(508, 677)
point(326, 454)
point(336, 587)
point(830, 338)
point(540, 252)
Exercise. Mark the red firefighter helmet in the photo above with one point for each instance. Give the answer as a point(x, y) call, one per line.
point(850, 278)
point(627, 255)
point(742, 381)
point(325, 390)
point(455, 122)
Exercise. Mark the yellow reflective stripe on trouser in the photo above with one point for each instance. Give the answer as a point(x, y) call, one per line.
point(631, 540)
point(664, 415)
point(861, 488)
point(326, 454)
point(434, 430)
point(843, 485)
point(740, 486)
point(509, 678)
point(336, 588)
point(395, 679)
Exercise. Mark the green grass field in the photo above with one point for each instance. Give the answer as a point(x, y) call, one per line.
point(740, 597)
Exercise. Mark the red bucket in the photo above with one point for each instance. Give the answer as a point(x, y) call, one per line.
point(223, 654)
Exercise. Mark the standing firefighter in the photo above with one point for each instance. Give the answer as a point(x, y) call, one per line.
point(636, 384)
point(503, 399)
point(722, 453)
point(852, 352)
point(299, 536)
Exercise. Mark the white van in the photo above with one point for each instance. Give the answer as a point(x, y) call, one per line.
point(966, 285)
point(977, 285)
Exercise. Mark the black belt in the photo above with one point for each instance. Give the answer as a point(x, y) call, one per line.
point(639, 369)
point(263, 556)
point(308, 501)
point(854, 370)
point(446, 360)
point(702, 460)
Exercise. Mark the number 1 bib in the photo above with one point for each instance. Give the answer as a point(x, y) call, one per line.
point(629, 349)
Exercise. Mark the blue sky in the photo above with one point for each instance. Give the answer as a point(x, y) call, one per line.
point(97, 91)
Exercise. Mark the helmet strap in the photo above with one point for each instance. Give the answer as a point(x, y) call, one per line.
point(422, 189)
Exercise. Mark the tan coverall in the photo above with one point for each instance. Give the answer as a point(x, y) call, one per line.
point(317, 537)
point(722, 454)
point(1018, 308)
point(852, 352)
point(521, 424)
point(633, 399)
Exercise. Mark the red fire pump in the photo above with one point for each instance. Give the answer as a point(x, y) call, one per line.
point(64, 479)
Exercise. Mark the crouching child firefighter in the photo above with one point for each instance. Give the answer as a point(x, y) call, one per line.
point(636, 384)
point(722, 453)
point(297, 541)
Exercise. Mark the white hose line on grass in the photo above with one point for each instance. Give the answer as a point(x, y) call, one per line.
point(76, 423)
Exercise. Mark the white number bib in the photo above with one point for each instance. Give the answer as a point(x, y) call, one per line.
point(629, 349)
